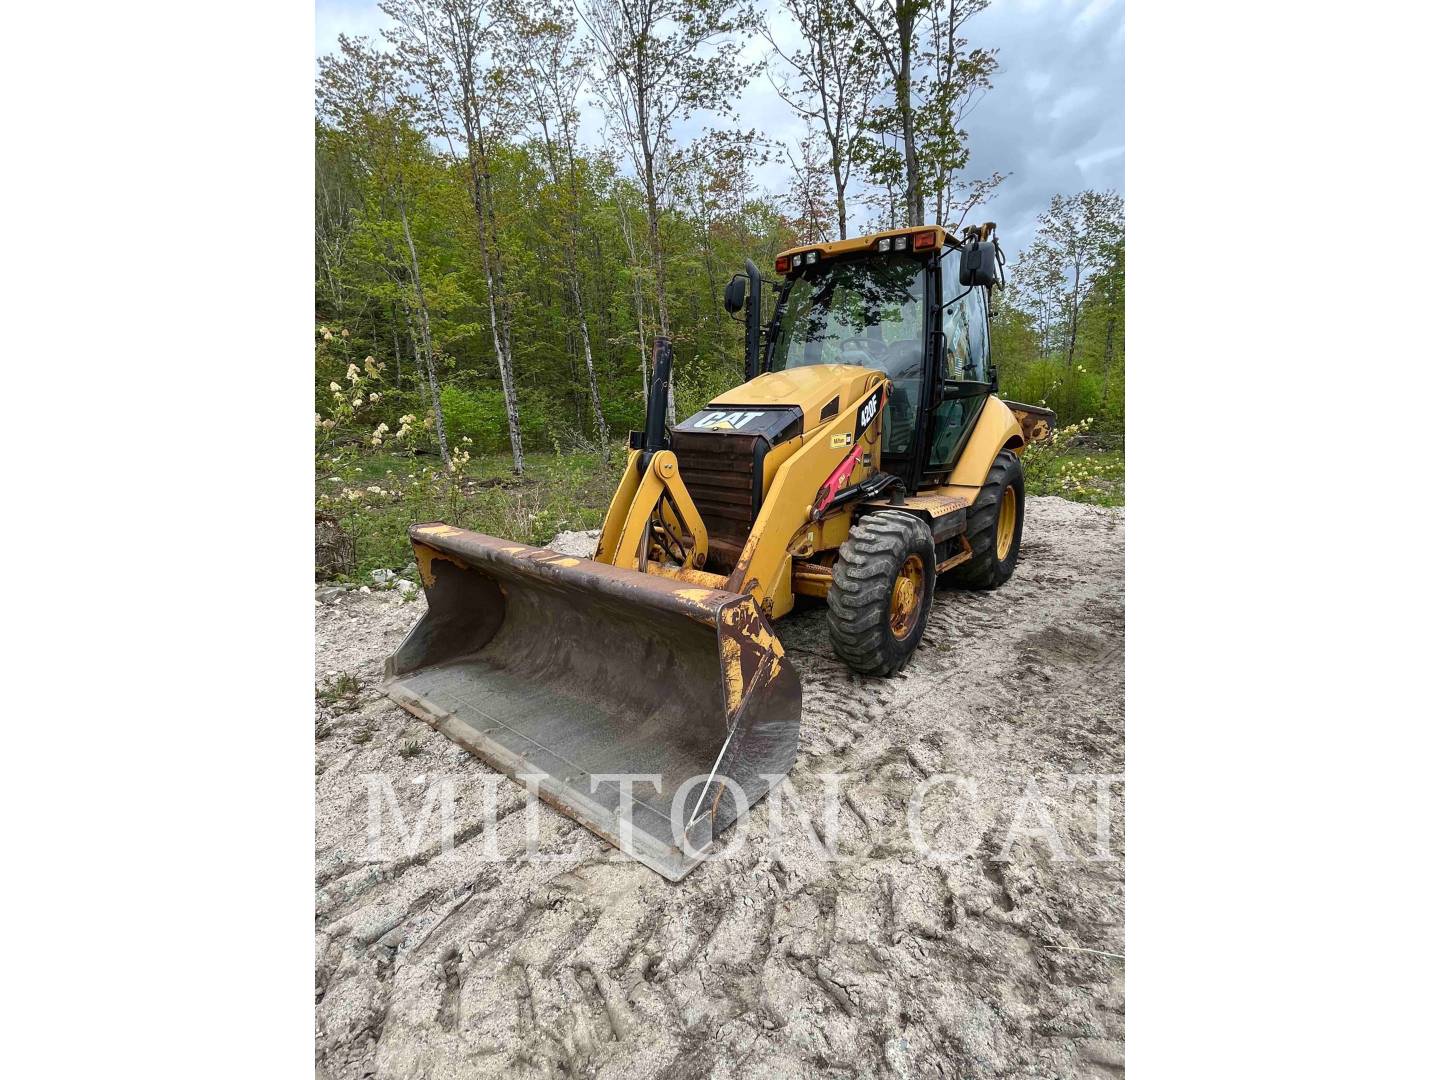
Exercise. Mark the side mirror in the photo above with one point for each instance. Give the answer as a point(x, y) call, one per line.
point(978, 264)
point(735, 294)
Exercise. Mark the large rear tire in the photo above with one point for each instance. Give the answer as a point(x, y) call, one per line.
point(880, 597)
point(993, 527)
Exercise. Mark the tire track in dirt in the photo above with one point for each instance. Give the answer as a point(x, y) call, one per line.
point(773, 962)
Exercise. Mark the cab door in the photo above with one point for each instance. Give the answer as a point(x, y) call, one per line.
point(966, 374)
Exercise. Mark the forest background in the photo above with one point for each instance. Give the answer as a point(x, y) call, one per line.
point(489, 283)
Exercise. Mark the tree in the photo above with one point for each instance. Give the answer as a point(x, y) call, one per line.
point(918, 144)
point(504, 274)
point(1077, 238)
point(830, 80)
point(636, 272)
point(956, 81)
point(552, 75)
point(1109, 293)
point(361, 92)
point(808, 195)
point(336, 195)
point(447, 46)
point(661, 61)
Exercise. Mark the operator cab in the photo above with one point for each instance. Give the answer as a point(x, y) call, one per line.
point(862, 311)
point(877, 301)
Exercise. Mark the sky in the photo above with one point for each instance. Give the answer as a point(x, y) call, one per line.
point(1054, 119)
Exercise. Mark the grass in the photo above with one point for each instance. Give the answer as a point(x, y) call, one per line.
point(1078, 474)
point(571, 491)
point(341, 690)
point(557, 492)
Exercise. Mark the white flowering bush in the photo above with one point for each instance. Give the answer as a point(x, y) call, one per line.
point(378, 471)
point(1059, 465)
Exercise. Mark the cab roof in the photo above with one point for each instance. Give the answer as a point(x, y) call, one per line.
point(862, 243)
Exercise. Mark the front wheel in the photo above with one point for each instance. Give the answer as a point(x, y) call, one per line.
point(880, 596)
point(993, 527)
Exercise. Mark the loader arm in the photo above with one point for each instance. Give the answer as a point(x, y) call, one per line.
point(652, 497)
point(787, 523)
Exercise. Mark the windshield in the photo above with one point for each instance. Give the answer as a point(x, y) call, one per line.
point(869, 312)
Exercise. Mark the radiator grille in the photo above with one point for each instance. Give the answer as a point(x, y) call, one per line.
point(719, 473)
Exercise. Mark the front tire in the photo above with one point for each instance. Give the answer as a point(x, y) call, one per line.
point(993, 527)
point(880, 596)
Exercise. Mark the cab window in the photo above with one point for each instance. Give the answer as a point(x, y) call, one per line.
point(966, 360)
point(868, 311)
point(967, 337)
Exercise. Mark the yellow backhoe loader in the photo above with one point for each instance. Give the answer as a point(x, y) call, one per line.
point(866, 458)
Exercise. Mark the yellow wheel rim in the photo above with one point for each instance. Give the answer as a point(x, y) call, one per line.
point(1005, 525)
point(906, 595)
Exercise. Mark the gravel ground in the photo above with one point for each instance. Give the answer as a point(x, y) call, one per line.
point(997, 953)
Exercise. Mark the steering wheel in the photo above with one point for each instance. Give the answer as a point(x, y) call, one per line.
point(855, 344)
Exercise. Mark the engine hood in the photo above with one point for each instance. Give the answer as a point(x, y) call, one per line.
point(819, 391)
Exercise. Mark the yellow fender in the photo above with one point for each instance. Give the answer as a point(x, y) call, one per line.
point(996, 430)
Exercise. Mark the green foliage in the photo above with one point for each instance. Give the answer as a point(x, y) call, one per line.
point(570, 232)
point(1058, 332)
point(475, 414)
point(552, 394)
point(1068, 464)
point(378, 494)
point(698, 386)
point(341, 693)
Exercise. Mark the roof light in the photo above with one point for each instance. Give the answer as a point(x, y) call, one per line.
point(925, 239)
point(901, 243)
point(782, 264)
point(884, 244)
point(812, 257)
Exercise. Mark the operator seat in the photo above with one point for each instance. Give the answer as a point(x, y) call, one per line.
point(904, 363)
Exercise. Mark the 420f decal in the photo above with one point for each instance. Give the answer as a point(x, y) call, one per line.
point(869, 410)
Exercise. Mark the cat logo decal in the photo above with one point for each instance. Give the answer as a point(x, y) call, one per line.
point(725, 421)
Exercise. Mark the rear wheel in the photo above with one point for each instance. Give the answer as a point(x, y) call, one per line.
point(993, 527)
point(880, 597)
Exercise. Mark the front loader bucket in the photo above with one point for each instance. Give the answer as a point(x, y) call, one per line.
point(572, 675)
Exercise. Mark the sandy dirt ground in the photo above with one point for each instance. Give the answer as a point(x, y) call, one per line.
point(994, 951)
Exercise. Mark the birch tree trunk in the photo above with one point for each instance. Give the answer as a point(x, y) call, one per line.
point(639, 298)
point(427, 349)
point(499, 313)
point(601, 428)
point(914, 209)
point(652, 213)
point(1074, 319)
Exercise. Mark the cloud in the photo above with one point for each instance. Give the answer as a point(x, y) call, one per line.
point(350, 17)
point(1054, 120)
